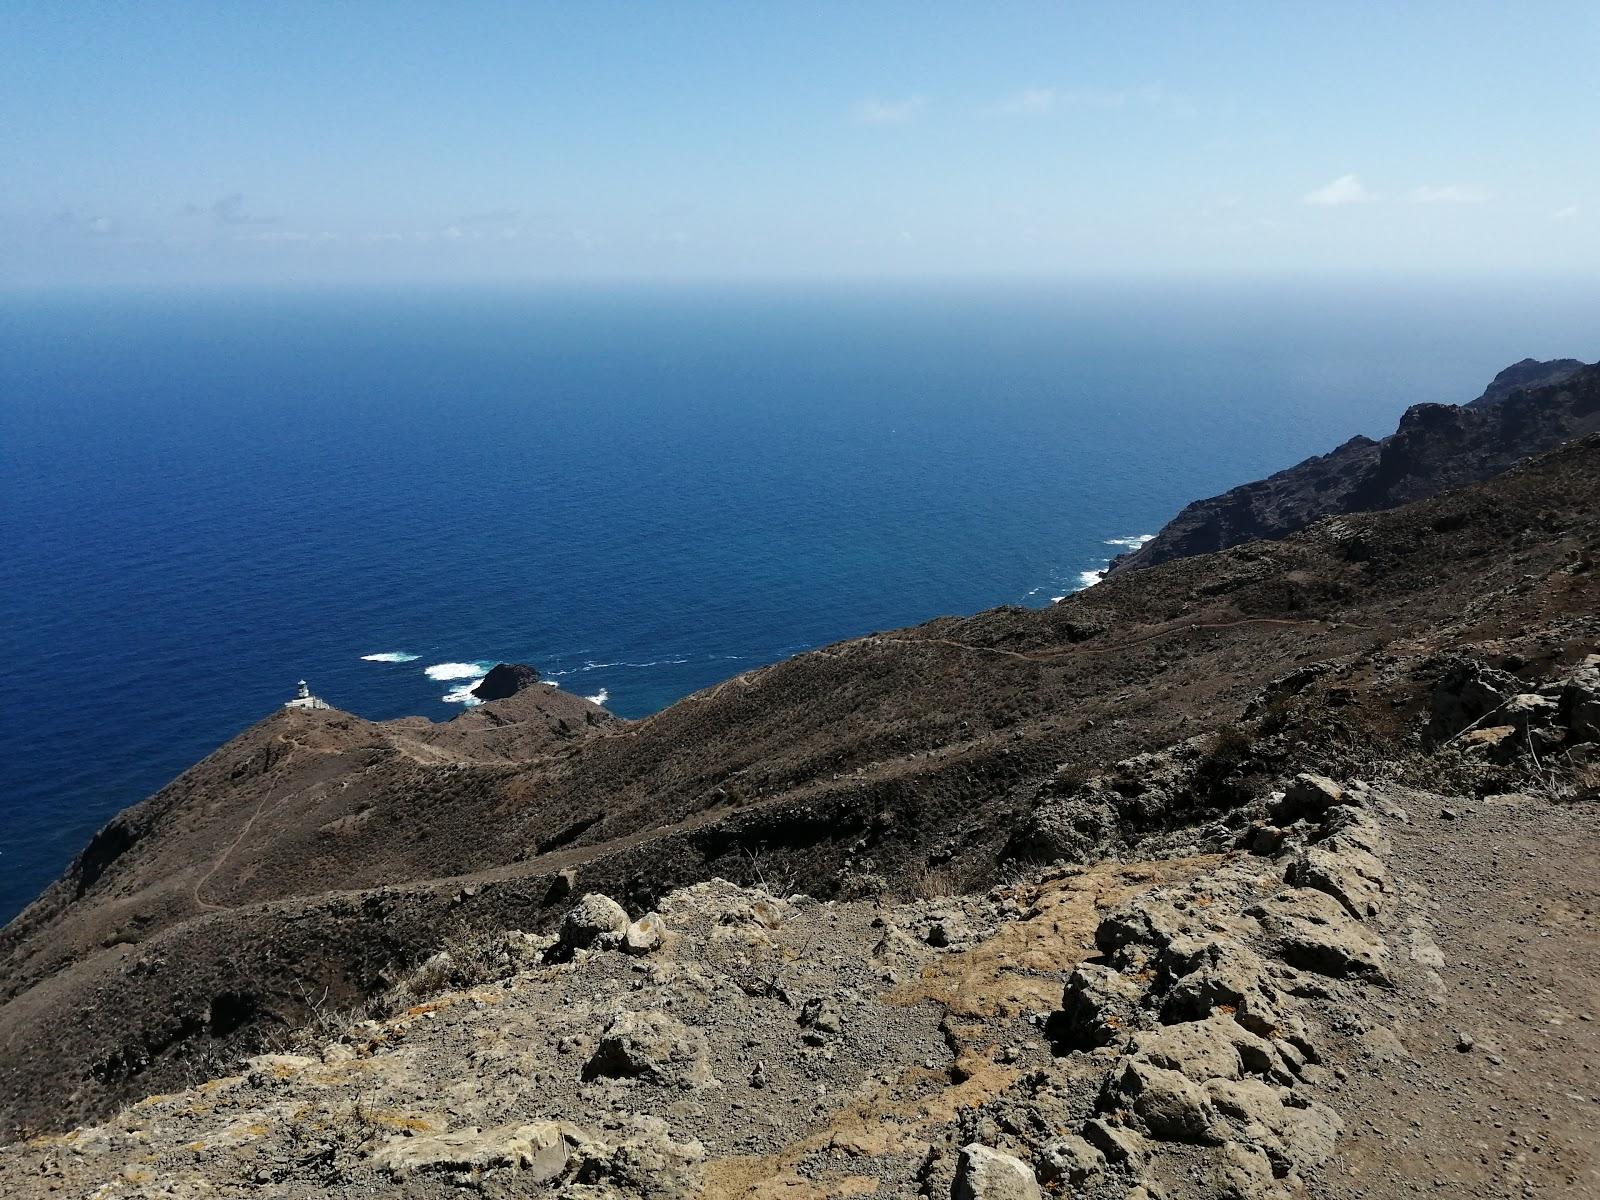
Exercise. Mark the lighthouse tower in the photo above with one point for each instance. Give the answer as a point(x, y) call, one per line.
point(304, 699)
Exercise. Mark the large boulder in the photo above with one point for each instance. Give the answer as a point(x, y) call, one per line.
point(1217, 1048)
point(1465, 693)
point(1225, 974)
point(1350, 875)
point(645, 934)
point(1068, 1161)
point(1307, 795)
point(1580, 701)
point(594, 919)
point(641, 1160)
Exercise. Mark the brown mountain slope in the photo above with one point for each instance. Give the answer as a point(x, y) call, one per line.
point(1530, 407)
point(315, 856)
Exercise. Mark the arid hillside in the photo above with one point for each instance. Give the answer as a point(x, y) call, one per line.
point(318, 859)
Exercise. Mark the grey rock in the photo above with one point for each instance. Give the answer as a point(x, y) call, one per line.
point(1294, 1136)
point(1308, 795)
point(822, 1014)
point(1526, 710)
point(1216, 1048)
point(1069, 1160)
point(538, 1152)
point(642, 1162)
point(1312, 931)
point(1100, 1006)
point(593, 919)
point(645, 934)
point(985, 1174)
point(1353, 877)
point(1171, 1107)
point(1117, 1142)
point(654, 1047)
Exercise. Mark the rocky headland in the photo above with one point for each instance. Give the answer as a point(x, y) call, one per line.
point(1527, 409)
point(1264, 872)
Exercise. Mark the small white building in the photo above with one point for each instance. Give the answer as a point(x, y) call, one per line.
point(304, 699)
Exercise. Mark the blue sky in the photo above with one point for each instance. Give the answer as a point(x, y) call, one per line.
point(164, 143)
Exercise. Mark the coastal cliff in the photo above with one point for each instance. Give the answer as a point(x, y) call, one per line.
point(1529, 407)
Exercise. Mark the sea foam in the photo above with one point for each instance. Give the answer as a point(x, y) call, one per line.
point(599, 697)
point(457, 670)
point(462, 694)
point(1131, 543)
point(390, 656)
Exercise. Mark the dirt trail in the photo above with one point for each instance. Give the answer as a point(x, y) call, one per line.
point(244, 832)
point(1497, 1092)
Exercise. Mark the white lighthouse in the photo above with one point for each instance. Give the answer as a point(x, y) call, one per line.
point(304, 699)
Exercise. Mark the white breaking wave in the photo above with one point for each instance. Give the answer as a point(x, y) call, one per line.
point(462, 694)
point(601, 666)
point(599, 697)
point(1090, 578)
point(390, 656)
point(457, 670)
point(1131, 543)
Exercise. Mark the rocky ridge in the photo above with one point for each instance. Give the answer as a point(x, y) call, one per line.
point(1529, 407)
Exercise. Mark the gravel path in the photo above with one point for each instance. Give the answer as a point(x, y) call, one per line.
point(1498, 1093)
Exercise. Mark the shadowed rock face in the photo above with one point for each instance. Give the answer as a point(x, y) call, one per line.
point(1530, 407)
point(505, 681)
point(1527, 375)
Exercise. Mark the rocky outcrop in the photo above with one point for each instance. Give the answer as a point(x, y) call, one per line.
point(505, 680)
point(1526, 376)
point(1529, 408)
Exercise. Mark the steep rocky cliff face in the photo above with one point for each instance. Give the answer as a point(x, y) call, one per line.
point(1529, 408)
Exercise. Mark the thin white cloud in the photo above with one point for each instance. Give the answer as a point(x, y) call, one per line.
point(1450, 193)
point(229, 210)
point(1151, 98)
point(1347, 189)
point(1565, 214)
point(890, 112)
point(1032, 101)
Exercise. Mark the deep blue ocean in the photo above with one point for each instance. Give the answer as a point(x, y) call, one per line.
point(207, 496)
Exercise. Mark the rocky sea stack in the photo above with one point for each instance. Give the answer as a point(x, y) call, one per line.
point(505, 680)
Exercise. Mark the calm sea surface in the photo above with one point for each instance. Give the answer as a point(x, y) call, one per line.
point(205, 497)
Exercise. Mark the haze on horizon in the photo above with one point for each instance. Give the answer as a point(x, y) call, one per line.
point(160, 144)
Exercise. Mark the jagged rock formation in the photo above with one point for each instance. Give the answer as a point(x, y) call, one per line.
point(1526, 376)
point(1528, 408)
